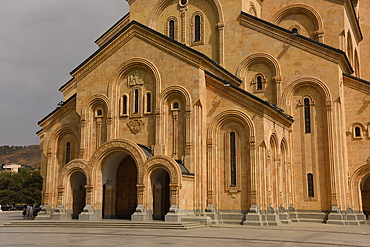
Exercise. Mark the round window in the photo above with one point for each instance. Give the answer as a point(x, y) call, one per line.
point(183, 2)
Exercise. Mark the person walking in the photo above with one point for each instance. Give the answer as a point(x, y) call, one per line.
point(24, 212)
point(31, 213)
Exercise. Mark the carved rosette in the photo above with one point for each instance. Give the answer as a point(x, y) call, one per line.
point(135, 126)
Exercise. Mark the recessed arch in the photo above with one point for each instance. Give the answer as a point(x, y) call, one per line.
point(304, 81)
point(307, 10)
point(256, 58)
point(228, 115)
point(162, 4)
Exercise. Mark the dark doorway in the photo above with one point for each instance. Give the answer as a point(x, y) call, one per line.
point(161, 194)
point(79, 193)
point(365, 194)
point(126, 191)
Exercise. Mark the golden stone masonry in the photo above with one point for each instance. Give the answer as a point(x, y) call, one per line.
point(252, 112)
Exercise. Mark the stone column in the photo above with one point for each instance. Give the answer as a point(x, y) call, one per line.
point(220, 27)
point(335, 216)
point(140, 213)
point(59, 213)
point(173, 213)
point(254, 216)
point(210, 200)
point(88, 212)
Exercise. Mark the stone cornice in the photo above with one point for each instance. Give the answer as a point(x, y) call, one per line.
point(314, 47)
point(248, 100)
point(137, 30)
point(356, 83)
point(67, 107)
point(104, 38)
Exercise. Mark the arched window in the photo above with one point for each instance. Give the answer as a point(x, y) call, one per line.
point(136, 101)
point(148, 102)
point(232, 159)
point(259, 83)
point(171, 29)
point(311, 192)
point(124, 104)
point(99, 113)
point(183, 2)
point(307, 115)
point(197, 28)
point(358, 132)
point(68, 152)
point(176, 105)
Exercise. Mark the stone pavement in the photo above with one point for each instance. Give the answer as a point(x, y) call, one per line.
point(295, 234)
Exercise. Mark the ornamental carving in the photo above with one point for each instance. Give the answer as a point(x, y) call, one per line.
point(135, 126)
point(136, 77)
point(368, 161)
point(75, 165)
point(160, 162)
point(119, 144)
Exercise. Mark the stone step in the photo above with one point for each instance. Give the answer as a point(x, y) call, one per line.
point(105, 224)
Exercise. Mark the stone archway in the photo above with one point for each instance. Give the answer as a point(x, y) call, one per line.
point(365, 195)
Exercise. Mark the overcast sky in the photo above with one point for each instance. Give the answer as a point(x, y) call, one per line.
point(41, 42)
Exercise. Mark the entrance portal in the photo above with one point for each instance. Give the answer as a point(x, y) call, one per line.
point(79, 193)
point(126, 191)
point(365, 194)
point(161, 194)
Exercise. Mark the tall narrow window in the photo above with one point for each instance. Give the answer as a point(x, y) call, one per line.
point(307, 115)
point(148, 102)
point(357, 131)
point(171, 31)
point(136, 101)
point(68, 152)
point(259, 83)
point(311, 192)
point(124, 104)
point(197, 28)
point(232, 159)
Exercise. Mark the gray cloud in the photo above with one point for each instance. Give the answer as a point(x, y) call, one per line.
point(41, 41)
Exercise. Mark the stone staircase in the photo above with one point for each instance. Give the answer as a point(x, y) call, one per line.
point(106, 224)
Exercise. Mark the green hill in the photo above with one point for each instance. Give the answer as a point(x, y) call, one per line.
point(21, 155)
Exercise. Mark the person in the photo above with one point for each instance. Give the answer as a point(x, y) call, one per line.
point(28, 212)
point(31, 213)
point(24, 212)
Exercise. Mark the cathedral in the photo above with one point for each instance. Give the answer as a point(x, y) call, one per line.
point(253, 112)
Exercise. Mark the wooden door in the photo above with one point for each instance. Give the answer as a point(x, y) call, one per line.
point(126, 192)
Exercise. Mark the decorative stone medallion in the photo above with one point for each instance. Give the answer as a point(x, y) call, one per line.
point(136, 77)
point(135, 126)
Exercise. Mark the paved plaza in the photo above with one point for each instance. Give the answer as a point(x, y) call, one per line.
point(296, 234)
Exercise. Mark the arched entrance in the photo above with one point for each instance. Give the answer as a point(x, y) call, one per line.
point(126, 192)
point(161, 193)
point(78, 183)
point(365, 194)
point(119, 186)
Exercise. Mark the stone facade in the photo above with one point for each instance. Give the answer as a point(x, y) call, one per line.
point(239, 111)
